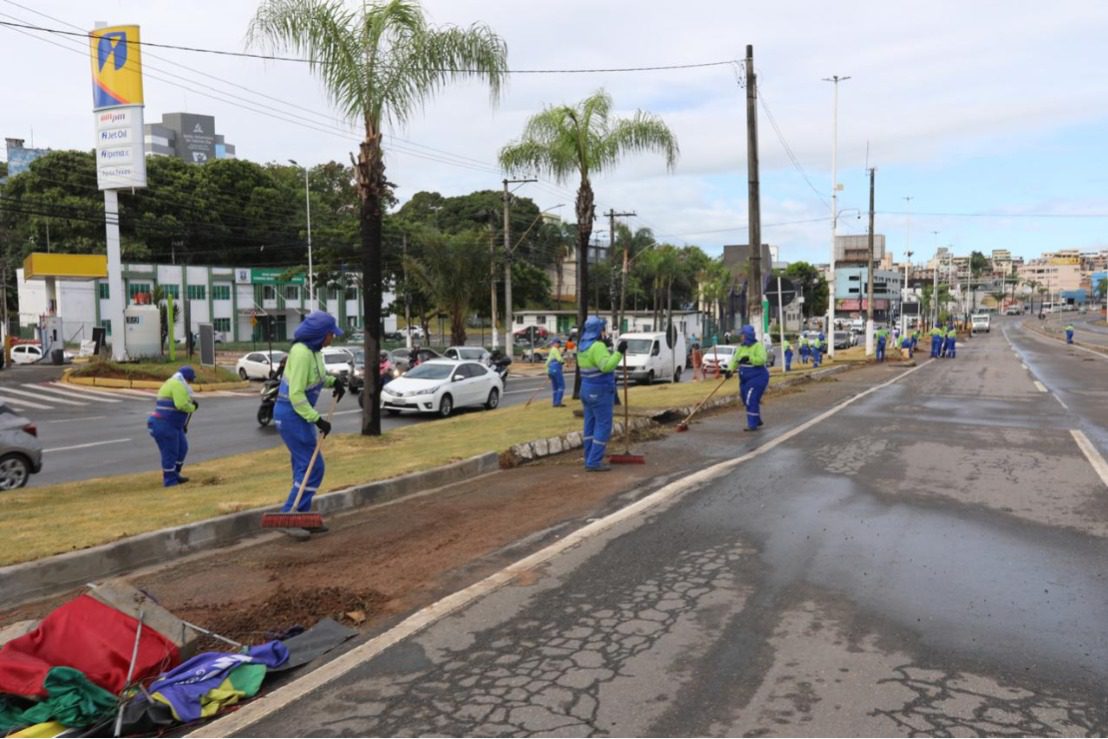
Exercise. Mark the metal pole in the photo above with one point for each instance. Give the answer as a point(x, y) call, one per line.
point(869, 273)
point(904, 297)
point(834, 210)
point(781, 323)
point(311, 266)
point(117, 301)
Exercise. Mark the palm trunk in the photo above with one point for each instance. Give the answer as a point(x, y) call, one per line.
point(370, 175)
point(584, 231)
point(458, 326)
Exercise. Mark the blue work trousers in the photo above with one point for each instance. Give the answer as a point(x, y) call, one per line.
point(950, 348)
point(936, 345)
point(597, 396)
point(815, 357)
point(788, 360)
point(557, 383)
point(1069, 337)
point(300, 438)
point(881, 350)
point(173, 445)
point(752, 383)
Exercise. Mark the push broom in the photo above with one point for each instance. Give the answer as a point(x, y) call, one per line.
point(294, 519)
point(684, 425)
point(627, 457)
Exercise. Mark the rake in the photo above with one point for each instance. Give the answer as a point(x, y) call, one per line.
point(684, 425)
point(627, 457)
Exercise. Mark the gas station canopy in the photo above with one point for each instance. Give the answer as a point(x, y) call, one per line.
point(39, 265)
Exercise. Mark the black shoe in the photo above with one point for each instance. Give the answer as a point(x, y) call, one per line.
point(756, 428)
point(181, 480)
point(600, 468)
point(560, 405)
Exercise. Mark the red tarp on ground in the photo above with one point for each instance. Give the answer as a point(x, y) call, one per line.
point(89, 636)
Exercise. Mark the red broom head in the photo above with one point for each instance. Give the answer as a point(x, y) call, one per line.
point(292, 521)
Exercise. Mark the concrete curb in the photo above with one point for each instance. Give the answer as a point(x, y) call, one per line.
point(44, 577)
point(115, 382)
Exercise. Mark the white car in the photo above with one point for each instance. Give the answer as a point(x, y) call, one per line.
point(416, 331)
point(257, 365)
point(338, 360)
point(441, 385)
point(470, 353)
point(31, 353)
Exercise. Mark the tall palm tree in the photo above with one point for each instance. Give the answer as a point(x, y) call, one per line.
point(379, 62)
point(564, 140)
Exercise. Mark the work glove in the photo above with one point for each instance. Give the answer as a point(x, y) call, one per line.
point(340, 389)
point(622, 346)
point(607, 341)
point(323, 425)
point(196, 403)
point(744, 360)
point(728, 374)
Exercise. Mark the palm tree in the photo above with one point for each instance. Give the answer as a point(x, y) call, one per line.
point(379, 63)
point(452, 271)
point(565, 140)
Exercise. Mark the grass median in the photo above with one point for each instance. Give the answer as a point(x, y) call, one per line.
point(39, 522)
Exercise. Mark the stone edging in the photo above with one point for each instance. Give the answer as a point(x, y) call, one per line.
point(44, 577)
point(117, 382)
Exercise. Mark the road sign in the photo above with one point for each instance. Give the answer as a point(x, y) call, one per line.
point(788, 291)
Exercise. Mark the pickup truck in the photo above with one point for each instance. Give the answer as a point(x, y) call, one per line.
point(979, 322)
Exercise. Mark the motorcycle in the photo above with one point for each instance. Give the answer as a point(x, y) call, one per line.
point(269, 399)
point(499, 363)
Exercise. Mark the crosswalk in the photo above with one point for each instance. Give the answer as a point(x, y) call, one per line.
point(43, 396)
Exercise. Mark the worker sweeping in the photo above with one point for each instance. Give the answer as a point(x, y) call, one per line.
point(937, 335)
point(907, 344)
point(1069, 333)
point(788, 355)
point(882, 340)
point(750, 358)
point(169, 421)
point(554, 364)
point(598, 386)
point(295, 416)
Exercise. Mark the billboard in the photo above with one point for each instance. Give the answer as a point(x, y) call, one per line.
point(116, 57)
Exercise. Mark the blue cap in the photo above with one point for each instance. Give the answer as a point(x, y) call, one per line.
point(188, 373)
point(313, 330)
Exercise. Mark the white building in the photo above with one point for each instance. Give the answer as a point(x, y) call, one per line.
point(238, 301)
point(561, 322)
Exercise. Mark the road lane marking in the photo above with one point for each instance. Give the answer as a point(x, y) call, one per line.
point(39, 396)
point(1040, 386)
point(254, 711)
point(1025, 366)
point(21, 403)
point(79, 419)
point(66, 392)
point(1091, 454)
point(85, 390)
point(1062, 402)
point(84, 446)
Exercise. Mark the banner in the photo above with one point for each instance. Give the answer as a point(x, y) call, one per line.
point(116, 57)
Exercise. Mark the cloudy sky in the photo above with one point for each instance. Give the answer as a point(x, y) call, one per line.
point(991, 116)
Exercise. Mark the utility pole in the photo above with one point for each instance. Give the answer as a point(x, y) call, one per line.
point(617, 310)
point(869, 273)
point(904, 297)
point(907, 250)
point(754, 219)
point(407, 292)
point(836, 79)
point(492, 286)
point(509, 326)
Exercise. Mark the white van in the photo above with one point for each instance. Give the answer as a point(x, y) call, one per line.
point(650, 358)
point(979, 322)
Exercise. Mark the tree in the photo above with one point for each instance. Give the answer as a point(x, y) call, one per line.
point(812, 286)
point(452, 270)
point(378, 63)
point(564, 140)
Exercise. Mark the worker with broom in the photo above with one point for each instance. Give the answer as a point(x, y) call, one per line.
point(554, 363)
point(597, 366)
point(295, 415)
point(168, 424)
point(750, 358)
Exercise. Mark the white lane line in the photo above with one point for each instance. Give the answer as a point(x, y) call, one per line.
point(1041, 387)
point(1025, 366)
point(1091, 454)
point(39, 396)
point(85, 390)
point(81, 419)
point(21, 403)
point(68, 393)
point(287, 694)
point(137, 393)
point(1061, 402)
point(347, 413)
point(84, 446)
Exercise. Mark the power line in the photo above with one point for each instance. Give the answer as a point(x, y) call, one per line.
point(298, 60)
point(788, 149)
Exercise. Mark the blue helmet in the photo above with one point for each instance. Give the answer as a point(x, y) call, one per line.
point(594, 326)
point(747, 333)
point(188, 373)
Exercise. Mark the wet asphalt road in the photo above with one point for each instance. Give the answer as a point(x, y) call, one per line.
point(929, 559)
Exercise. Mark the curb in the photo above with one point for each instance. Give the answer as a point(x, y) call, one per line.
point(115, 382)
point(44, 577)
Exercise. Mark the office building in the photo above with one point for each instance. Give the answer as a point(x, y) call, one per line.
point(187, 136)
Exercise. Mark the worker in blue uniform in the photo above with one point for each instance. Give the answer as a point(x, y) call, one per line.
point(805, 351)
point(750, 359)
point(937, 336)
point(168, 423)
point(1069, 333)
point(882, 336)
point(817, 350)
point(554, 365)
point(294, 414)
point(949, 344)
point(788, 356)
point(907, 344)
point(597, 366)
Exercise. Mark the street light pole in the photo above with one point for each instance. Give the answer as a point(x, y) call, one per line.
point(836, 79)
point(904, 295)
point(308, 209)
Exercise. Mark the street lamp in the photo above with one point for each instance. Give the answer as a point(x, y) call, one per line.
point(836, 79)
point(308, 208)
point(904, 296)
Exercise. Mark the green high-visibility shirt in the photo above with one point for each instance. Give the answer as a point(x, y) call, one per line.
point(303, 369)
point(1069, 327)
point(883, 333)
point(598, 357)
point(952, 333)
point(554, 356)
point(755, 353)
point(788, 347)
point(936, 331)
point(174, 388)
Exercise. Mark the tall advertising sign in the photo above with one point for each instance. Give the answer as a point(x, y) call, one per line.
point(116, 56)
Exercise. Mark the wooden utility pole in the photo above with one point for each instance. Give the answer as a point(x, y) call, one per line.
point(509, 324)
point(754, 292)
point(869, 272)
point(617, 310)
point(492, 288)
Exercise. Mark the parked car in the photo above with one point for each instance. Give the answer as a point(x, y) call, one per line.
point(530, 334)
point(337, 360)
point(417, 332)
point(441, 385)
point(649, 357)
point(842, 339)
point(20, 449)
point(358, 353)
point(257, 365)
point(401, 358)
point(979, 322)
point(471, 353)
point(31, 353)
point(716, 358)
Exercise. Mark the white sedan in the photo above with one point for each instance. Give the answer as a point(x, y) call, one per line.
point(441, 385)
point(257, 365)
